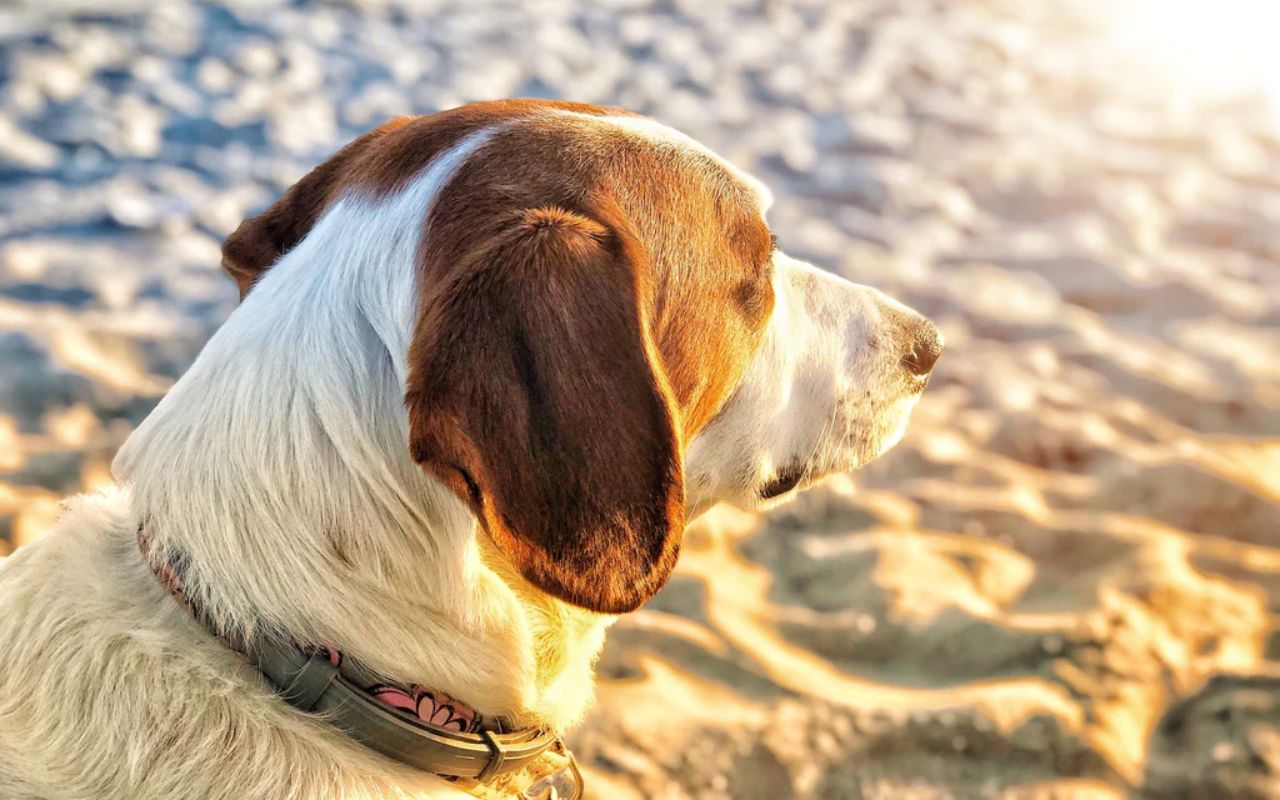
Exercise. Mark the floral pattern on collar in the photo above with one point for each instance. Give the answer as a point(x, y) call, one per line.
point(427, 705)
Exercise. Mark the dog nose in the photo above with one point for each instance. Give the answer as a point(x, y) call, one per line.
point(925, 346)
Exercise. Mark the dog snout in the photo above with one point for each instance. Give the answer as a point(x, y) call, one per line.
point(924, 346)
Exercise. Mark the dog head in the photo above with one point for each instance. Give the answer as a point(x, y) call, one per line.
point(606, 338)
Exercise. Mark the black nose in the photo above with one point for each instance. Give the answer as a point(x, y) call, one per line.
point(924, 348)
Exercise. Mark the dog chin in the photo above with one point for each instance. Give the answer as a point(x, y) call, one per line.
point(788, 482)
point(896, 427)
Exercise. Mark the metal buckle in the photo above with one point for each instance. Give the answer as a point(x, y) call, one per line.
point(565, 783)
point(497, 757)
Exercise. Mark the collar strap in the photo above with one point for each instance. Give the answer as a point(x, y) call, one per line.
point(311, 681)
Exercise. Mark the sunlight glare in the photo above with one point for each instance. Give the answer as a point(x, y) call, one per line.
point(1221, 48)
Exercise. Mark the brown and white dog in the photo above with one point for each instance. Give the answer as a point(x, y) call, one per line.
point(487, 364)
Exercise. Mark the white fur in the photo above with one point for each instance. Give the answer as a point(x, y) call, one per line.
point(279, 467)
point(309, 370)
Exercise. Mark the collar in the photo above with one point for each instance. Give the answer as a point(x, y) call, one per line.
point(413, 725)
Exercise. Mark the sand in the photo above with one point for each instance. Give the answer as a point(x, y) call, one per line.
point(1062, 584)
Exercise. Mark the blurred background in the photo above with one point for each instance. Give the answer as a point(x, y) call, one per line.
point(1063, 583)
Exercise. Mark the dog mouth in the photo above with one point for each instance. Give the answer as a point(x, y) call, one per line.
point(858, 445)
point(916, 384)
point(785, 480)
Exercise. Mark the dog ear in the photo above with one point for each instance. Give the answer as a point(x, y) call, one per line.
point(259, 241)
point(535, 395)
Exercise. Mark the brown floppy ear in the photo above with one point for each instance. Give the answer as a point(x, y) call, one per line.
point(260, 240)
point(535, 395)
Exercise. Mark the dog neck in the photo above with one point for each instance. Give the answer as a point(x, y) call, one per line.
point(278, 467)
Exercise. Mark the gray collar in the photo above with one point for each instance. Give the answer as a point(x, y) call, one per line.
point(313, 683)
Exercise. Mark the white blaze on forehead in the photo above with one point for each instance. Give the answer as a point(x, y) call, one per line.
point(361, 252)
point(656, 131)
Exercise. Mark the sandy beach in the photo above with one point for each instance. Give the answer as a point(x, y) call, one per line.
point(1063, 583)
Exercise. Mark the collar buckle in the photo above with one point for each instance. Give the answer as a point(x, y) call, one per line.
point(565, 783)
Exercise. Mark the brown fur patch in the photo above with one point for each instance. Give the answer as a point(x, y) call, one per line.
point(380, 160)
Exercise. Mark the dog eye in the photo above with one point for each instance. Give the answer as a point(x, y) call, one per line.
point(773, 243)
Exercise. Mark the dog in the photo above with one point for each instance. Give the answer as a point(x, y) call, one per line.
point(486, 365)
